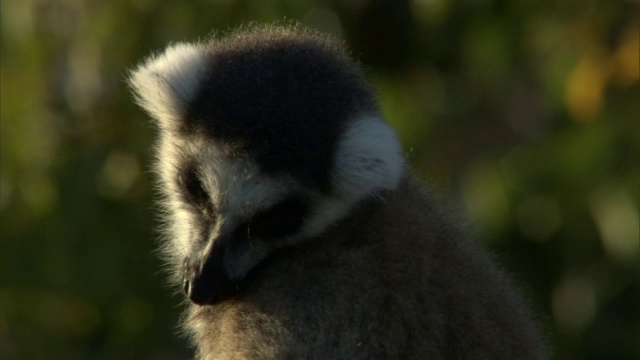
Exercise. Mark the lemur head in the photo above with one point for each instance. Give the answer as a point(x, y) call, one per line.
point(268, 136)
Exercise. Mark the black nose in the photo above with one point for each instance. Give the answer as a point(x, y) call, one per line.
point(192, 284)
point(204, 280)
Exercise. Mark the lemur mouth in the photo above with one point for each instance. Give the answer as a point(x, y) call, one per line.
point(206, 282)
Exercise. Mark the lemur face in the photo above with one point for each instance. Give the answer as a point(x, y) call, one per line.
point(267, 139)
point(240, 217)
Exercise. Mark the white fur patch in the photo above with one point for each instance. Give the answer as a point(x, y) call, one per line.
point(368, 159)
point(165, 83)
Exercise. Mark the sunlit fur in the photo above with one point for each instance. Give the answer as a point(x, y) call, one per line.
point(167, 82)
point(271, 129)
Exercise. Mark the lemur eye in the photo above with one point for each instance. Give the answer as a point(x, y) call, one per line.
point(280, 220)
point(194, 192)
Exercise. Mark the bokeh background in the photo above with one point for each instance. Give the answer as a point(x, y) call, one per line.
point(524, 114)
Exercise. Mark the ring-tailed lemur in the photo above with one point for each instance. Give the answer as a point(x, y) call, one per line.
point(291, 219)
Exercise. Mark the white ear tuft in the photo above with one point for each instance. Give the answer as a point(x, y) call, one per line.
point(164, 84)
point(369, 158)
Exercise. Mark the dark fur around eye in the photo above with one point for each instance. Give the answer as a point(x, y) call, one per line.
point(193, 191)
point(280, 220)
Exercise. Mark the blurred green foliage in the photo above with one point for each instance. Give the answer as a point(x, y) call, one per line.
point(526, 114)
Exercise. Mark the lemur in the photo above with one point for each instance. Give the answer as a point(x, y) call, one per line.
point(292, 220)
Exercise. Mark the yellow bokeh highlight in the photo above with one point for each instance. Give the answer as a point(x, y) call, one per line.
point(626, 59)
point(585, 91)
point(585, 88)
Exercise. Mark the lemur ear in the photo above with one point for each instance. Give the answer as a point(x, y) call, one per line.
point(164, 84)
point(368, 159)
